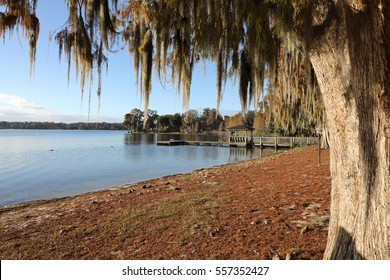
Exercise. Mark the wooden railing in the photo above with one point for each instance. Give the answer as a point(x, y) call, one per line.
point(238, 139)
point(287, 142)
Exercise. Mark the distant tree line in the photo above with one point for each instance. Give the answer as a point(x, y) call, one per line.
point(209, 121)
point(70, 126)
point(189, 122)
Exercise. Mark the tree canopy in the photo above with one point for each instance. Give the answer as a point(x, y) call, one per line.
point(253, 41)
point(189, 122)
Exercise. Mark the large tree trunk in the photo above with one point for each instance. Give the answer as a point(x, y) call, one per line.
point(351, 54)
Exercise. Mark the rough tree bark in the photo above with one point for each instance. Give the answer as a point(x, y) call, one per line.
point(350, 52)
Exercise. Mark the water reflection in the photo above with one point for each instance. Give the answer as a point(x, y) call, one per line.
point(139, 138)
point(205, 153)
point(237, 154)
point(188, 137)
point(193, 153)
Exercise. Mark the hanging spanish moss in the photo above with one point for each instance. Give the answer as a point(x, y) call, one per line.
point(146, 50)
point(21, 14)
point(88, 29)
point(254, 41)
point(250, 40)
point(245, 81)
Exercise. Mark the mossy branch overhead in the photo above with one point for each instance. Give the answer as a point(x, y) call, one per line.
point(21, 14)
point(254, 41)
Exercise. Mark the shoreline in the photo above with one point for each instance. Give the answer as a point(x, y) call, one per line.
point(5, 208)
point(254, 209)
point(41, 170)
point(20, 204)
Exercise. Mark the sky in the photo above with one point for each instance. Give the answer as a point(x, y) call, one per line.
point(47, 95)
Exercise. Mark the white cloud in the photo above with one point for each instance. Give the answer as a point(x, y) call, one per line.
point(19, 102)
point(16, 108)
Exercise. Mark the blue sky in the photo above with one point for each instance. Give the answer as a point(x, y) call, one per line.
point(47, 96)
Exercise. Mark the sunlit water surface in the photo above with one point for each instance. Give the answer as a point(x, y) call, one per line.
point(42, 164)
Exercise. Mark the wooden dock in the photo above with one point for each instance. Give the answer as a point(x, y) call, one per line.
point(194, 143)
point(172, 143)
point(262, 142)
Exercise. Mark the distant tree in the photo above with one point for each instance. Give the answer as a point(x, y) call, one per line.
point(249, 118)
point(163, 122)
point(176, 122)
point(196, 127)
point(190, 120)
point(134, 120)
point(128, 122)
point(210, 120)
point(152, 120)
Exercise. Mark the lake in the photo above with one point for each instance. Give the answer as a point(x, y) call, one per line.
point(43, 164)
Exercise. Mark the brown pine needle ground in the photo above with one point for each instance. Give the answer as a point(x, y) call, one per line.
point(277, 205)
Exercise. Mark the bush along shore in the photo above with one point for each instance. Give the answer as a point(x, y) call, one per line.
point(275, 207)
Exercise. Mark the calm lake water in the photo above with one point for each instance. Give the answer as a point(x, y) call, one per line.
point(42, 164)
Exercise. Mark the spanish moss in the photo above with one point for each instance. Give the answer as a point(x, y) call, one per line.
point(254, 41)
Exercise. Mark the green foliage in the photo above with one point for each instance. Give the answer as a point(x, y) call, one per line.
point(189, 122)
point(170, 123)
point(134, 120)
point(210, 120)
point(249, 118)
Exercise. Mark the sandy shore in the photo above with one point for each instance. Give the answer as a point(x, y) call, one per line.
point(258, 209)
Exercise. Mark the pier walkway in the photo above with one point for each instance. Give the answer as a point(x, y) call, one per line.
point(240, 141)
